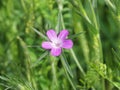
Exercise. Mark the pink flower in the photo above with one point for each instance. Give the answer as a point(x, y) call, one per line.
point(57, 42)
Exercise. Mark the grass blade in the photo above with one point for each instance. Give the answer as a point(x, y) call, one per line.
point(4, 78)
point(110, 4)
point(116, 54)
point(66, 65)
point(40, 58)
point(70, 80)
point(75, 35)
point(77, 62)
point(42, 35)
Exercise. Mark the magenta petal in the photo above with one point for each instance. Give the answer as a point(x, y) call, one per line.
point(51, 35)
point(56, 51)
point(46, 45)
point(67, 44)
point(63, 34)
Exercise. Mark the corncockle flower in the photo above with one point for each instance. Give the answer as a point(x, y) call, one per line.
point(57, 42)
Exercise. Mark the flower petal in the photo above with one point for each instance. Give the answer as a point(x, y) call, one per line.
point(67, 44)
point(46, 45)
point(51, 35)
point(56, 51)
point(63, 34)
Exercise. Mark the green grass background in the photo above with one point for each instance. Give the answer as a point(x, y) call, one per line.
point(92, 64)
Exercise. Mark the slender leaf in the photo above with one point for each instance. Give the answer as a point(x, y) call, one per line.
point(77, 62)
point(39, 33)
point(75, 35)
point(40, 58)
point(70, 80)
point(66, 65)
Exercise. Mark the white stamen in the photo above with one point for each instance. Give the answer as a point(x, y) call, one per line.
point(57, 43)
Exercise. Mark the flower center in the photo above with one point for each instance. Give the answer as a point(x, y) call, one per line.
point(57, 43)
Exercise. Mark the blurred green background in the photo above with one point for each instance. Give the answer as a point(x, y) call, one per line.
point(97, 47)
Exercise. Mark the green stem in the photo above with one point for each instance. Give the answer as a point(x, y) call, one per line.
point(98, 51)
point(53, 60)
point(74, 56)
point(69, 79)
point(77, 62)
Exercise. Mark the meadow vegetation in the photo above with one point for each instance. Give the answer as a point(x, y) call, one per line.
point(92, 64)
